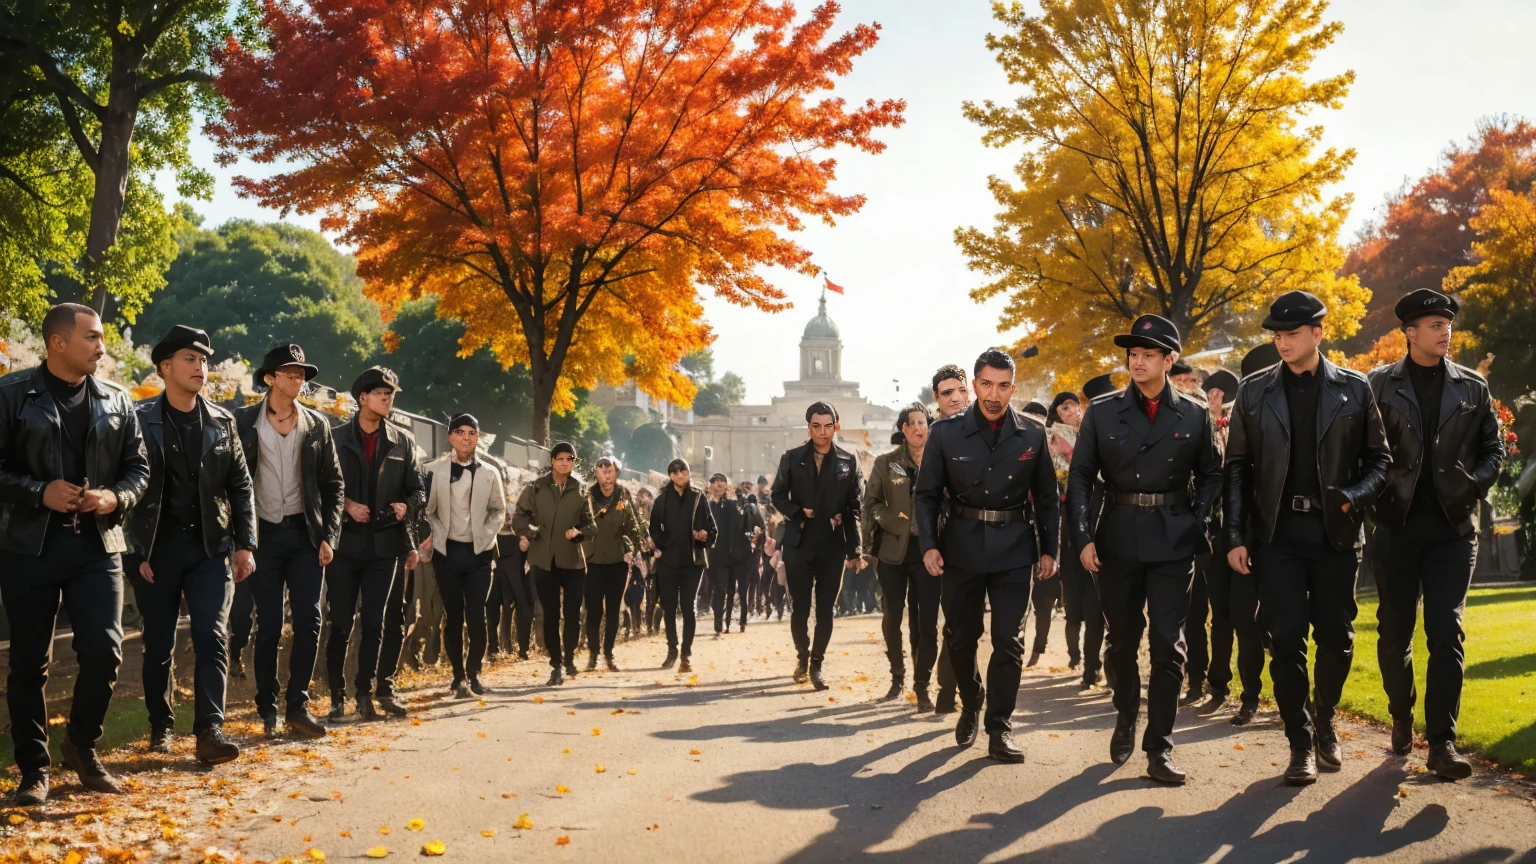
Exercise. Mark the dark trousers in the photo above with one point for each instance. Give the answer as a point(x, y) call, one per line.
point(242, 615)
point(820, 576)
point(1161, 588)
point(74, 571)
point(1197, 655)
point(1307, 585)
point(286, 563)
point(560, 595)
point(746, 584)
point(1440, 572)
point(1234, 600)
point(966, 595)
point(604, 595)
point(1043, 596)
point(349, 581)
point(1085, 615)
point(676, 587)
point(514, 581)
point(722, 586)
point(182, 568)
point(464, 580)
point(908, 587)
point(392, 643)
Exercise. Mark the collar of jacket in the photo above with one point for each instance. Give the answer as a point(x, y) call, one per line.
point(38, 386)
point(1330, 373)
point(808, 452)
point(903, 455)
point(1170, 398)
point(354, 437)
point(154, 415)
point(971, 420)
point(1399, 370)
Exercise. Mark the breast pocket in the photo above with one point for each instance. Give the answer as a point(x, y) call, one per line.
point(964, 472)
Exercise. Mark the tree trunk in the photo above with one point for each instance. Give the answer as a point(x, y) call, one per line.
point(112, 169)
point(543, 394)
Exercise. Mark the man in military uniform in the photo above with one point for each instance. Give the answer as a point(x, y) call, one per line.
point(1306, 455)
point(817, 488)
point(987, 466)
point(1149, 445)
point(1425, 538)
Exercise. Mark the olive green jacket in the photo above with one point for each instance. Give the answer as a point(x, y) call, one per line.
point(618, 527)
point(888, 505)
point(545, 513)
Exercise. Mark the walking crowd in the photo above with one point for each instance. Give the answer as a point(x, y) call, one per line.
point(1186, 504)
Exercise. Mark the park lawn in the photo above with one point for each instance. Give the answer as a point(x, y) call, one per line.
point(1498, 700)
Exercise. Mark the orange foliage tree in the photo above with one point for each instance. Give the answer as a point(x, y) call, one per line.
point(563, 175)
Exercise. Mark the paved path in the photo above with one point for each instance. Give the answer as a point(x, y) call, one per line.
point(741, 765)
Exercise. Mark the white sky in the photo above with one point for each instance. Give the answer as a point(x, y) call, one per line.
point(1426, 71)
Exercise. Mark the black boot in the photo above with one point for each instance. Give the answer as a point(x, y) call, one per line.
point(32, 790)
point(570, 666)
point(946, 702)
point(1194, 694)
point(1213, 704)
point(671, 658)
point(1123, 740)
point(608, 662)
point(389, 706)
point(160, 739)
point(365, 710)
point(898, 684)
point(1303, 768)
point(968, 724)
point(1160, 767)
point(237, 668)
point(1329, 755)
point(555, 678)
point(816, 679)
point(923, 702)
point(1003, 749)
point(684, 667)
point(1034, 660)
point(1402, 735)
point(1244, 714)
point(269, 722)
point(592, 661)
point(1447, 763)
point(215, 749)
point(802, 670)
point(476, 687)
point(301, 723)
point(93, 775)
point(338, 706)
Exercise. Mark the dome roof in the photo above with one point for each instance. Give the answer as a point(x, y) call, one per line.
point(821, 327)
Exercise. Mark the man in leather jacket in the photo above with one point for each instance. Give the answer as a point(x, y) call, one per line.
point(72, 463)
point(298, 487)
point(1425, 538)
point(1306, 456)
point(1148, 445)
point(192, 536)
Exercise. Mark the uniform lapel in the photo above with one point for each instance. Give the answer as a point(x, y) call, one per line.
point(1404, 390)
point(1170, 407)
point(1274, 398)
point(1452, 396)
point(1134, 419)
point(1332, 399)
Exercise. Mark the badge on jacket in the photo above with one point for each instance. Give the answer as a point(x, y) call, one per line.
point(898, 470)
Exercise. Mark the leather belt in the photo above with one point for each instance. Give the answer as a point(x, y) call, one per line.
point(994, 517)
point(1152, 499)
point(1306, 503)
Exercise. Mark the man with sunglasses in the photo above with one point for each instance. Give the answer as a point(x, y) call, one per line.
point(63, 537)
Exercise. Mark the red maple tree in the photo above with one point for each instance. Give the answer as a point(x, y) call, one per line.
point(564, 175)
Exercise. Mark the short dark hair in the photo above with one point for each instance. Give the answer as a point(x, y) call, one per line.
point(993, 358)
point(946, 372)
point(902, 416)
point(821, 408)
point(676, 465)
point(61, 320)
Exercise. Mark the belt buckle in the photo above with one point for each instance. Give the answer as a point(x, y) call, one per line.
point(1145, 499)
point(1301, 504)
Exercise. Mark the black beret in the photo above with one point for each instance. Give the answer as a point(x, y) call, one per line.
point(761, 479)
point(1262, 357)
point(1222, 380)
point(1061, 399)
point(562, 447)
point(284, 355)
point(1096, 387)
point(676, 465)
point(464, 420)
point(1424, 302)
point(1035, 408)
point(1294, 309)
point(1151, 331)
point(373, 378)
point(1180, 368)
point(181, 336)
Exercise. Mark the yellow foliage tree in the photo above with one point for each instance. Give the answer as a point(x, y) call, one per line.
point(1165, 170)
point(1498, 292)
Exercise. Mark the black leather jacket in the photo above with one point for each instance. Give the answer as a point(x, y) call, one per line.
point(1351, 449)
point(1468, 450)
point(321, 470)
point(224, 490)
point(399, 481)
point(30, 460)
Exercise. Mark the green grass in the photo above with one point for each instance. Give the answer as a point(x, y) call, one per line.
point(1498, 700)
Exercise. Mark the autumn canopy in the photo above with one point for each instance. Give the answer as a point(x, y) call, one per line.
point(564, 174)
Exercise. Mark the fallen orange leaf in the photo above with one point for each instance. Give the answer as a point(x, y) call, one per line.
point(377, 852)
point(563, 840)
point(488, 832)
point(1237, 746)
point(693, 751)
point(523, 823)
point(315, 855)
point(601, 769)
point(633, 772)
point(538, 700)
point(415, 825)
point(596, 732)
point(436, 847)
point(346, 833)
point(562, 788)
point(383, 829)
point(479, 734)
point(509, 794)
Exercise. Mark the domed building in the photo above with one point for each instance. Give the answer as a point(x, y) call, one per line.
point(748, 441)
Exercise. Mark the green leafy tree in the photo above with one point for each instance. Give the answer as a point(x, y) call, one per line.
point(424, 350)
point(253, 286)
point(651, 448)
point(119, 82)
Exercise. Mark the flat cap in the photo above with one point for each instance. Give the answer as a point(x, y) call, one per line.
point(1151, 331)
point(1295, 309)
point(373, 378)
point(181, 336)
point(1423, 303)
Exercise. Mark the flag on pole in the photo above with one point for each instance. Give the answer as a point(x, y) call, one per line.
point(833, 286)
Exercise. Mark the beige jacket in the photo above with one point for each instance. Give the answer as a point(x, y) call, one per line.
point(487, 503)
